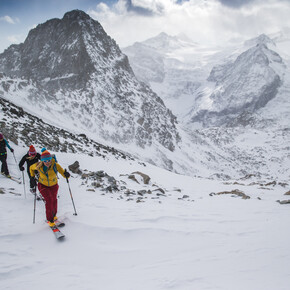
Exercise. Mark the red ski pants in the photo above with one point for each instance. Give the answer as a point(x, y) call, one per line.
point(49, 194)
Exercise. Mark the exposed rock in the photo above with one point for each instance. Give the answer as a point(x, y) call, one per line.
point(284, 201)
point(75, 168)
point(132, 177)
point(96, 184)
point(234, 192)
point(160, 189)
point(271, 183)
point(142, 192)
point(100, 173)
point(145, 177)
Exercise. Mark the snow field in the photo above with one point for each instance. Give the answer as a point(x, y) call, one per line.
point(200, 242)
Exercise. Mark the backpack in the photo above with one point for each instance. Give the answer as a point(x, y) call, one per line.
point(54, 165)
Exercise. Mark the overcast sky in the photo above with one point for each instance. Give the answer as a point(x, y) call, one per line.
point(204, 21)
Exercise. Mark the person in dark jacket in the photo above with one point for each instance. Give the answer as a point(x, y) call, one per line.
point(3, 155)
point(30, 158)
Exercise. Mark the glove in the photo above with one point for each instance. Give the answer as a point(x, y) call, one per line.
point(33, 182)
point(21, 168)
point(12, 150)
point(66, 174)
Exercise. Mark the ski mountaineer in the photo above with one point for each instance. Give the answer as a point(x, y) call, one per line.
point(47, 168)
point(3, 155)
point(30, 158)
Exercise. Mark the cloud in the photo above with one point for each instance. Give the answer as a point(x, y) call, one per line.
point(14, 39)
point(145, 8)
point(236, 3)
point(8, 19)
point(204, 21)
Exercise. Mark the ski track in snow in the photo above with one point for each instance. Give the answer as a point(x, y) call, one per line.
point(205, 242)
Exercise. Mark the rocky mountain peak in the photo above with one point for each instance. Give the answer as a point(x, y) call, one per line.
point(259, 55)
point(245, 85)
point(76, 15)
point(61, 48)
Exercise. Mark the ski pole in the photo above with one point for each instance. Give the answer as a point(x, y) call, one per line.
point(34, 205)
point(71, 196)
point(23, 184)
point(14, 157)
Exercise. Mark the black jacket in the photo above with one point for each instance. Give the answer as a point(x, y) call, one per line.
point(27, 158)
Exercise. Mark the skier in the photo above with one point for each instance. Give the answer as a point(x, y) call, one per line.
point(30, 158)
point(47, 183)
point(3, 155)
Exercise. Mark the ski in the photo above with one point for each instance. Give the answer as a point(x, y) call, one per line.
point(59, 224)
point(18, 178)
point(58, 234)
point(13, 178)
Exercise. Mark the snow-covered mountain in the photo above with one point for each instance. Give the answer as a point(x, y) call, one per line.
point(73, 70)
point(209, 85)
point(225, 98)
point(245, 85)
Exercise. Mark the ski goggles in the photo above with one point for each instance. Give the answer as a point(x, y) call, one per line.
point(46, 159)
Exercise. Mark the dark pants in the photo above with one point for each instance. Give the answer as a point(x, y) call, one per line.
point(49, 194)
point(4, 167)
point(31, 179)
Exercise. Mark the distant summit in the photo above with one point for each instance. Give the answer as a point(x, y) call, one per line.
point(76, 15)
point(167, 42)
point(261, 39)
point(149, 58)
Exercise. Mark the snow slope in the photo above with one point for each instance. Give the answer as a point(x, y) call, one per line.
point(187, 238)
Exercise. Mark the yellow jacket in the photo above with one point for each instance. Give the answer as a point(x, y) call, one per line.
point(46, 177)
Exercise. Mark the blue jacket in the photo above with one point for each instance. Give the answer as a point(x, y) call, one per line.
point(3, 145)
